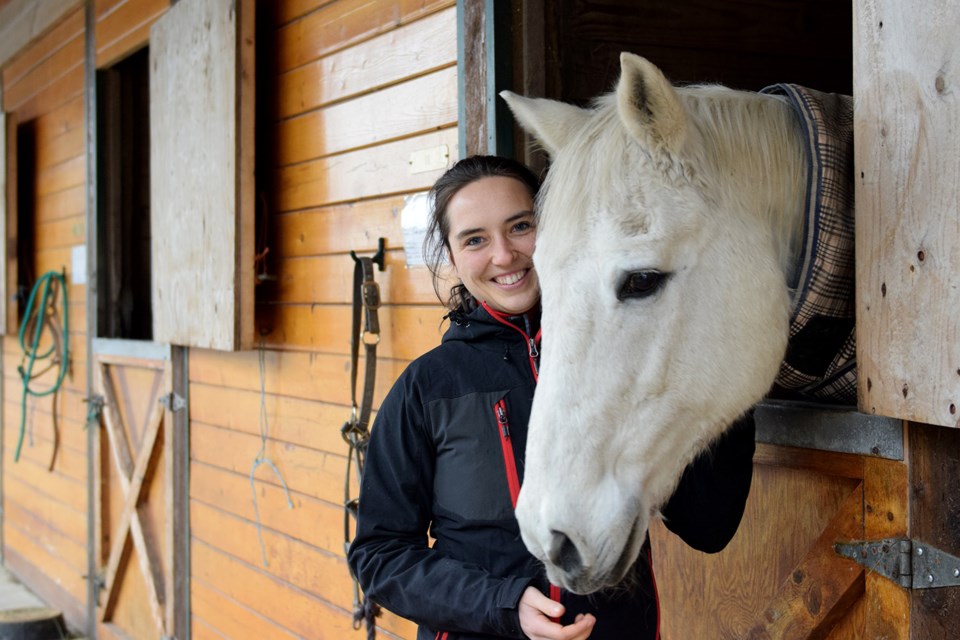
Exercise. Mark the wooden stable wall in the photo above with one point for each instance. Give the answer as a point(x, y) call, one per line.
point(358, 87)
point(45, 493)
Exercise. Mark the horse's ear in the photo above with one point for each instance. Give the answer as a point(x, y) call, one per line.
point(549, 121)
point(649, 105)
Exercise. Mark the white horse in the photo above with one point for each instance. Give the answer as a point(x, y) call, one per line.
point(669, 220)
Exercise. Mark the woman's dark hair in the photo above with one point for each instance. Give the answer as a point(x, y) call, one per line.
point(436, 244)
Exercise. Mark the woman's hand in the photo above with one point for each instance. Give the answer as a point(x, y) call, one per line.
point(536, 610)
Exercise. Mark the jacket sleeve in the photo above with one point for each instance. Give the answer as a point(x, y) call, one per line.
point(390, 555)
point(706, 508)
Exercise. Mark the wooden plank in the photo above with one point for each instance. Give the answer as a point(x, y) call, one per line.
point(228, 618)
point(202, 262)
point(363, 174)
point(65, 89)
point(354, 226)
point(408, 51)
point(295, 421)
point(340, 24)
point(62, 488)
point(67, 57)
point(311, 472)
point(55, 593)
point(69, 520)
point(329, 280)
point(45, 451)
point(125, 29)
point(65, 549)
point(406, 332)
point(724, 595)
point(313, 521)
point(54, 147)
point(844, 465)
point(822, 586)
point(886, 515)
point(313, 570)
point(70, 27)
point(908, 231)
point(296, 374)
point(66, 203)
point(934, 514)
point(59, 234)
point(420, 105)
point(63, 573)
point(298, 612)
point(61, 176)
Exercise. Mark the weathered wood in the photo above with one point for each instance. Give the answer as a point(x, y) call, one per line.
point(329, 280)
point(124, 27)
point(411, 50)
point(934, 518)
point(829, 463)
point(786, 513)
point(50, 23)
point(886, 514)
point(338, 25)
point(315, 572)
point(66, 58)
point(361, 174)
point(419, 105)
point(406, 332)
point(201, 135)
point(313, 521)
point(353, 226)
point(294, 421)
point(65, 548)
point(822, 587)
point(297, 374)
point(221, 617)
point(908, 231)
point(65, 594)
point(307, 471)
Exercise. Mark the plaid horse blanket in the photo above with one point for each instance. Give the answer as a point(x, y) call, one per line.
point(821, 354)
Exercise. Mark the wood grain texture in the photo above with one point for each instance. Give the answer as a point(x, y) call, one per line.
point(123, 27)
point(908, 231)
point(786, 513)
point(934, 517)
point(408, 51)
point(202, 187)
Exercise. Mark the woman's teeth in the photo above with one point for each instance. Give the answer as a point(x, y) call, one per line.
point(512, 278)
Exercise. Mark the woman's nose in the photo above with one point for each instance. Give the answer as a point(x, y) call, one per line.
point(503, 252)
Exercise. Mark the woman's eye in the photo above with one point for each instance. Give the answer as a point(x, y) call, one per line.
point(522, 226)
point(641, 284)
point(472, 242)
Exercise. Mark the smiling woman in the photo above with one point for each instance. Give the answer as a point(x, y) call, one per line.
point(446, 454)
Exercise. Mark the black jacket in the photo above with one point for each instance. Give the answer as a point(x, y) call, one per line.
point(435, 462)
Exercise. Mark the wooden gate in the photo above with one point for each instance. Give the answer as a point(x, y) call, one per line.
point(781, 577)
point(136, 493)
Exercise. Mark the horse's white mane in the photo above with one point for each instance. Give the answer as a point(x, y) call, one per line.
point(738, 139)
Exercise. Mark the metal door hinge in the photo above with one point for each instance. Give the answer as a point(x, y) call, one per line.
point(910, 563)
point(173, 402)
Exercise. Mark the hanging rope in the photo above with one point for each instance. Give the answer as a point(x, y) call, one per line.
point(42, 313)
point(261, 457)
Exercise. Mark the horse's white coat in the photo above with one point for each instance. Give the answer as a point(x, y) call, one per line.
point(703, 184)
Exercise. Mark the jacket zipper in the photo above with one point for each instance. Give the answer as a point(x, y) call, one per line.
point(510, 464)
point(533, 352)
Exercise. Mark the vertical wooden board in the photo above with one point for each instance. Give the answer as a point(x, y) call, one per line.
point(907, 122)
point(202, 183)
point(5, 291)
point(934, 518)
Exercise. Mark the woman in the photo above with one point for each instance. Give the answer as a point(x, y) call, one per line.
point(446, 450)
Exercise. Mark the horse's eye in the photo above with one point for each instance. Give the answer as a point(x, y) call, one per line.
point(640, 284)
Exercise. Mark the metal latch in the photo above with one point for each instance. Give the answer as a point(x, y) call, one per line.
point(910, 563)
point(173, 402)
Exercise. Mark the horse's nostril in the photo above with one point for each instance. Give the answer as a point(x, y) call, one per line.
point(563, 552)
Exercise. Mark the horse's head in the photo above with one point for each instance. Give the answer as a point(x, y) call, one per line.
point(665, 307)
